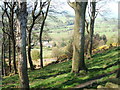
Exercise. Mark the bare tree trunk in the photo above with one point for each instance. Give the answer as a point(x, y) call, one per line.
point(87, 38)
point(2, 60)
point(22, 25)
point(3, 57)
point(14, 57)
point(92, 21)
point(41, 32)
point(10, 16)
point(9, 53)
point(13, 40)
point(29, 51)
point(41, 50)
point(91, 36)
point(79, 37)
point(34, 18)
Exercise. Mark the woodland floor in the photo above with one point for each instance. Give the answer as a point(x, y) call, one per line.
point(101, 67)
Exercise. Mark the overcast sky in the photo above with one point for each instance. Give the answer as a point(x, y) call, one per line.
point(111, 6)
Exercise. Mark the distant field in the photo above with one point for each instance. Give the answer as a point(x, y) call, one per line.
point(64, 30)
point(46, 52)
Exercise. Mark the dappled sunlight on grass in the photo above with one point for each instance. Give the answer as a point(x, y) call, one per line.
point(59, 76)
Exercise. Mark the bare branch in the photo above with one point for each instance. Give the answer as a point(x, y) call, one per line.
point(3, 28)
point(87, 25)
point(71, 4)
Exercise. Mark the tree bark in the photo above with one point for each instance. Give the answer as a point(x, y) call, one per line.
point(40, 36)
point(41, 51)
point(29, 51)
point(9, 53)
point(3, 57)
point(13, 39)
point(11, 34)
point(22, 25)
point(92, 21)
point(79, 38)
point(14, 56)
point(2, 60)
point(34, 18)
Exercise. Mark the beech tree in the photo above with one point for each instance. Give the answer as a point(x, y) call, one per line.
point(21, 27)
point(78, 62)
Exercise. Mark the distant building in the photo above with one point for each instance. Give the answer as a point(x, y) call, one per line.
point(46, 43)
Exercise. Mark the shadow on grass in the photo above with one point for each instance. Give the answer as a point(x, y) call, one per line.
point(98, 69)
point(106, 52)
point(54, 75)
point(82, 82)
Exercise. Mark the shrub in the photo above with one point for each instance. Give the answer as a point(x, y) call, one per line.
point(35, 54)
point(62, 44)
point(104, 38)
point(104, 47)
point(68, 50)
point(56, 52)
point(54, 44)
point(37, 47)
point(62, 57)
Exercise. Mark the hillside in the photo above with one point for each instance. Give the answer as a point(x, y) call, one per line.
point(61, 27)
point(101, 67)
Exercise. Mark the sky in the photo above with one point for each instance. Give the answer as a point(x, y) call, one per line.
point(111, 7)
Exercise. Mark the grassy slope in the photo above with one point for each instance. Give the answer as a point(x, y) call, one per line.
point(59, 76)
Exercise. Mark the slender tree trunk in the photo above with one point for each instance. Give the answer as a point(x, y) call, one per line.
point(29, 51)
point(4, 63)
point(79, 38)
point(91, 35)
point(3, 57)
point(92, 21)
point(2, 53)
point(13, 40)
point(22, 25)
point(41, 32)
point(9, 53)
point(14, 56)
point(41, 51)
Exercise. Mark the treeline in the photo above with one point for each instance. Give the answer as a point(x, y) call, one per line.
point(17, 34)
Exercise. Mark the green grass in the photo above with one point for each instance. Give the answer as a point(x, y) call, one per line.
point(59, 76)
point(59, 30)
point(46, 52)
